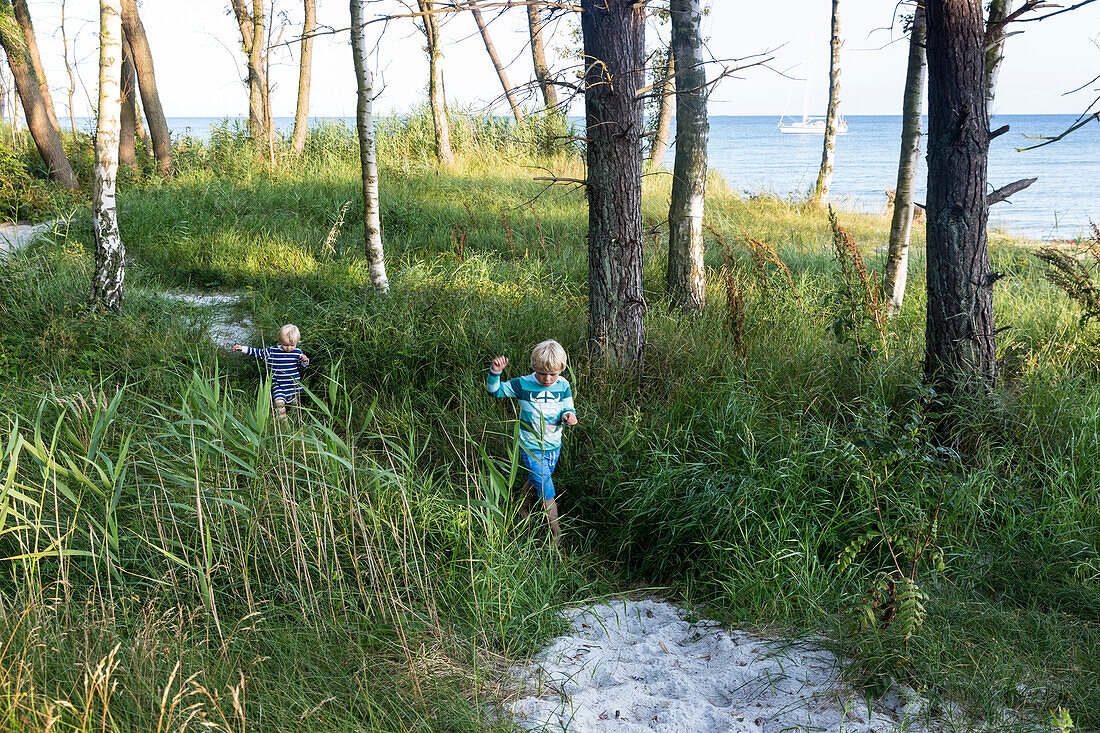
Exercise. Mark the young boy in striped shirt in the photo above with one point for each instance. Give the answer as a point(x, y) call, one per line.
point(282, 361)
point(545, 407)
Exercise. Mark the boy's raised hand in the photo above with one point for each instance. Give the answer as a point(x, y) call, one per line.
point(239, 347)
point(498, 364)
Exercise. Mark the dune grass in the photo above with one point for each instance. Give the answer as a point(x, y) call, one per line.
point(367, 572)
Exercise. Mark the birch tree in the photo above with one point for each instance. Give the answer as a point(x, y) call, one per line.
point(301, 114)
point(686, 277)
point(959, 335)
point(614, 47)
point(820, 193)
point(897, 256)
point(107, 280)
point(364, 122)
point(999, 10)
point(45, 137)
point(513, 102)
point(147, 84)
point(437, 98)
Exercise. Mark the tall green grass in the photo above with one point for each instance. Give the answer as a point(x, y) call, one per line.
point(734, 473)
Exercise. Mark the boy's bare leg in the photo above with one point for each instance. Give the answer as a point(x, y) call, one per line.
point(525, 490)
point(551, 507)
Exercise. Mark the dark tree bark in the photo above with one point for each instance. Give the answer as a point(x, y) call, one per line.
point(686, 276)
point(614, 42)
point(664, 113)
point(301, 115)
point(538, 56)
point(959, 335)
point(501, 73)
point(147, 85)
point(364, 123)
point(436, 96)
point(46, 139)
point(828, 149)
point(23, 17)
point(897, 256)
point(127, 152)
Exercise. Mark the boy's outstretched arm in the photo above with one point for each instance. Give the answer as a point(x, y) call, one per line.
point(258, 353)
point(493, 385)
point(568, 413)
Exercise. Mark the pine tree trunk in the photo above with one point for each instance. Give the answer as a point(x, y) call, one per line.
point(107, 281)
point(364, 122)
point(664, 114)
point(46, 139)
point(252, 42)
point(995, 48)
point(301, 115)
point(127, 154)
point(686, 276)
point(501, 73)
point(614, 41)
point(828, 148)
point(436, 97)
point(23, 17)
point(538, 56)
point(147, 85)
point(959, 334)
point(897, 257)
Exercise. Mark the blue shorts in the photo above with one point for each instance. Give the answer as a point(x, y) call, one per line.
point(540, 467)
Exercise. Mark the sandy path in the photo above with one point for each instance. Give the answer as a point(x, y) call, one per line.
point(229, 324)
point(16, 236)
point(640, 666)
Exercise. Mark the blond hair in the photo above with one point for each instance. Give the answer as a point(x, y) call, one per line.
point(289, 334)
point(548, 356)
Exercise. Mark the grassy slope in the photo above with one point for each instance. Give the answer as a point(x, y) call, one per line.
point(737, 477)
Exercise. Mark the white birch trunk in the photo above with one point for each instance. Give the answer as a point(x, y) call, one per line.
point(686, 276)
point(109, 252)
point(828, 148)
point(897, 257)
point(995, 48)
point(364, 122)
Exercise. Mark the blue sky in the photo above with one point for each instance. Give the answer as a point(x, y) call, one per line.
point(199, 63)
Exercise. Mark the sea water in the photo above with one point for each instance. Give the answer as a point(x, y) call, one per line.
point(755, 158)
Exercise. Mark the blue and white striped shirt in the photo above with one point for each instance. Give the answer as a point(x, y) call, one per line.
point(283, 365)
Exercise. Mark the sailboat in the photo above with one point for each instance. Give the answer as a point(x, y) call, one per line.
point(810, 125)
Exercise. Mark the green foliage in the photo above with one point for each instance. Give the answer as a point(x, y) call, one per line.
point(369, 551)
point(22, 197)
point(1076, 279)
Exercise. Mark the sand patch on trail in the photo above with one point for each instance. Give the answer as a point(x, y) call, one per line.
point(229, 324)
point(16, 236)
point(640, 666)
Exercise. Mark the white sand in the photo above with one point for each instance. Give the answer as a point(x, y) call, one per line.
point(226, 327)
point(639, 666)
point(16, 236)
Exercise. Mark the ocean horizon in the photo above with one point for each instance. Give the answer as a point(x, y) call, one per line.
point(756, 159)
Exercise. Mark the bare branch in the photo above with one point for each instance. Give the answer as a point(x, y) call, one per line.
point(1002, 193)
